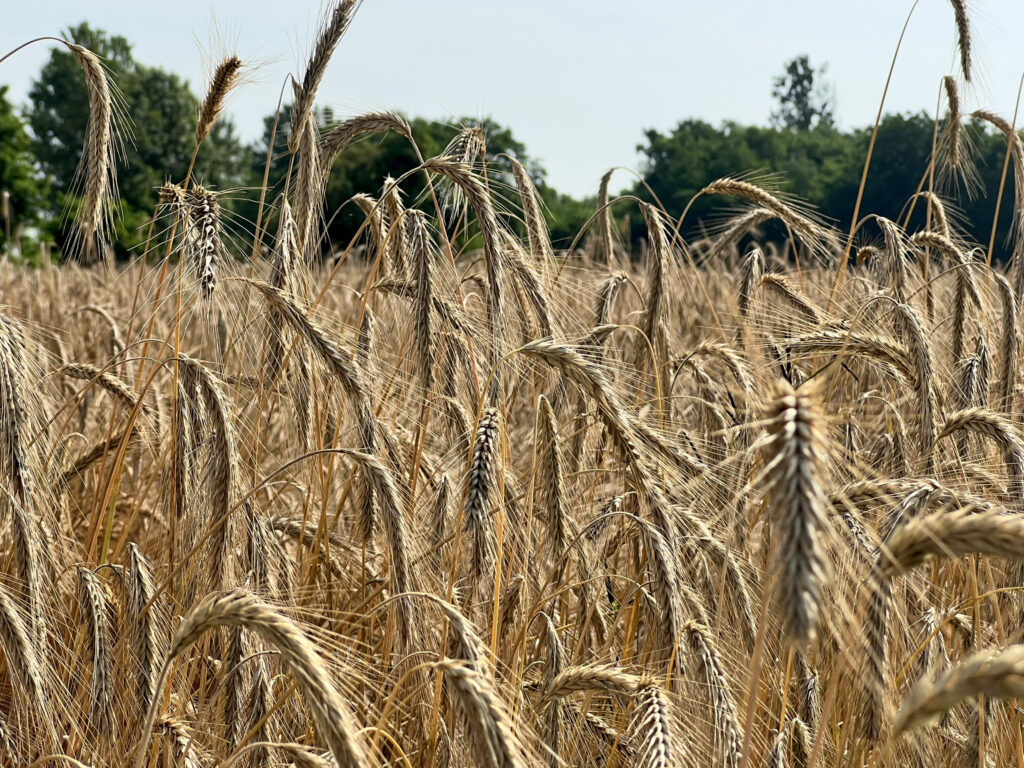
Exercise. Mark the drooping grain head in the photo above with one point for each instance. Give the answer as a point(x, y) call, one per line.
point(963, 32)
point(97, 158)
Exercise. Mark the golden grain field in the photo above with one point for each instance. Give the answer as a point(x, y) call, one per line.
point(451, 497)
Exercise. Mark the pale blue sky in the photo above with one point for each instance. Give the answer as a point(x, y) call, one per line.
point(577, 80)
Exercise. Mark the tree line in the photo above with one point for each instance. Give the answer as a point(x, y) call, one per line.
point(801, 153)
point(822, 167)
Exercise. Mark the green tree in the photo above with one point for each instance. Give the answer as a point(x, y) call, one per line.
point(19, 178)
point(900, 158)
point(364, 165)
point(807, 164)
point(822, 167)
point(566, 216)
point(157, 113)
point(803, 103)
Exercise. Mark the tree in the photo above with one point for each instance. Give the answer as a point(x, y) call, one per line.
point(677, 165)
point(803, 104)
point(363, 166)
point(566, 216)
point(822, 167)
point(24, 186)
point(155, 146)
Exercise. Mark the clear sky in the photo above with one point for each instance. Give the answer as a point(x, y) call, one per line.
point(577, 80)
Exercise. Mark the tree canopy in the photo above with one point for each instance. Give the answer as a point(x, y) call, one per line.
point(822, 168)
point(804, 100)
point(25, 186)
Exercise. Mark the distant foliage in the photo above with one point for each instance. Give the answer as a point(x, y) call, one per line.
point(805, 100)
point(25, 187)
point(822, 167)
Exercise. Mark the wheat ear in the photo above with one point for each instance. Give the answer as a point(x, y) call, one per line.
point(793, 484)
point(225, 77)
point(96, 612)
point(489, 724)
point(333, 28)
point(480, 490)
point(330, 713)
point(963, 40)
point(98, 154)
point(994, 673)
point(651, 729)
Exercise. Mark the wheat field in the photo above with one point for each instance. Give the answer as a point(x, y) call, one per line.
point(451, 497)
